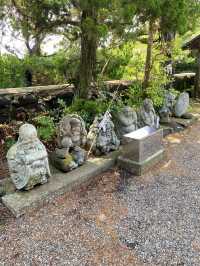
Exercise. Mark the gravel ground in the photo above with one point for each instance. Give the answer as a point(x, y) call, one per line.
point(76, 230)
point(163, 221)
point(117, 220)
point(3, 163)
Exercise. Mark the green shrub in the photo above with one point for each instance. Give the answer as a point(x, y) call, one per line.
point(135, 95)
point(45, 70)
point(124, 62)
point(159, 81)
point(87, 109)
point(11, 72)
point(45, 127)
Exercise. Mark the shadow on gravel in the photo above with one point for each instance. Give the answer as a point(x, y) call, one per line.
point(5, 215)
point(124, 182)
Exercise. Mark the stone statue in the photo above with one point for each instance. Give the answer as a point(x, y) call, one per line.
point(182, 104)
point(28, 159)
point(101, 137)
point(125, 121)
point(147, 115)
point(71, 136)
point(168, 107)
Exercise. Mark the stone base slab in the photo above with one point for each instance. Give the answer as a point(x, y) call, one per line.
point(139, 168)
point(185, 122)
point(20, 202)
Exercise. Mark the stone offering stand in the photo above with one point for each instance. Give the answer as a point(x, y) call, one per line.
point(143, 149)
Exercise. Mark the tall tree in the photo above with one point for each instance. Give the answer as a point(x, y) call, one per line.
point(85, 20)
point(36, 19)
point(166, 17)
point(93, 21)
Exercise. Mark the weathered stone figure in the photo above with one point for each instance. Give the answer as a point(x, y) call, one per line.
point(71, 136)
point(28, 159)
point(101, 136)
point(168, 106)
point(182, 104)
point(125, 121)
point(147, 115)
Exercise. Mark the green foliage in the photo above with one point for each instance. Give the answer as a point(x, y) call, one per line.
point(47, 70)
point(174, 92)
point(11, 72)
point(173, 16)
point(60, 68)
point(45, 127)
point(9, 142)
point(135, 95)
point(36, 19)
point(124, 62)
point(87, 109)
point(155, 92)
point(184, 60)
point(157, 83)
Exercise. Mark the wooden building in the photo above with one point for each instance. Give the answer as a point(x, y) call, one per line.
point(194, 44)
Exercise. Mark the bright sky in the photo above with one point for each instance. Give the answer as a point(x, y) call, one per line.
point(16, 43)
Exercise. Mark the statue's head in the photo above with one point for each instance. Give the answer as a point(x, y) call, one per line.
point(148, 105)
point(72, 127)
point(127, 116)
point(76, 126)
point(127, 111)
point(27, 132)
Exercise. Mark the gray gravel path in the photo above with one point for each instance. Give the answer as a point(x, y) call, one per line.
point(119, 219)
point(163, 221)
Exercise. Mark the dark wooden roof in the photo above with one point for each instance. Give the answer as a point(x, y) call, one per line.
point(193, 44)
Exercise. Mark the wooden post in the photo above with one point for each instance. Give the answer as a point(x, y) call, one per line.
point(148, 64)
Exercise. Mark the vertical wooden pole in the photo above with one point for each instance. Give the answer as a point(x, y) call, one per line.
point(148, 64)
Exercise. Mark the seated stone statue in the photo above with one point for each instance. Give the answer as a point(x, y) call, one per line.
point(28, 159)
point(125, 121)
point(147, 115)
point(101, 137)
point(71, 136)
point(168, 107)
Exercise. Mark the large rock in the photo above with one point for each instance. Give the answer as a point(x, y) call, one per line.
point(182, 104)
point(28, 159)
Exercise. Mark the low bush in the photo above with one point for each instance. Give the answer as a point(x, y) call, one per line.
point(45, 127)
point(87, 109)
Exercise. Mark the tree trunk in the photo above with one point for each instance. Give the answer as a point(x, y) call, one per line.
point(88, 51)
point(197, 78)
point(148, 64)
point(36, 49)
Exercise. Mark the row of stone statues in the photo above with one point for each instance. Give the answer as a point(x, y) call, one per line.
point(28, 158)
point(128, 120)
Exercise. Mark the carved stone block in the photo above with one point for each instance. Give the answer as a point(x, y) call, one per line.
point(142, 150)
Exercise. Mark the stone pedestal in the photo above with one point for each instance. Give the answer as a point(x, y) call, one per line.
point(143, 149)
